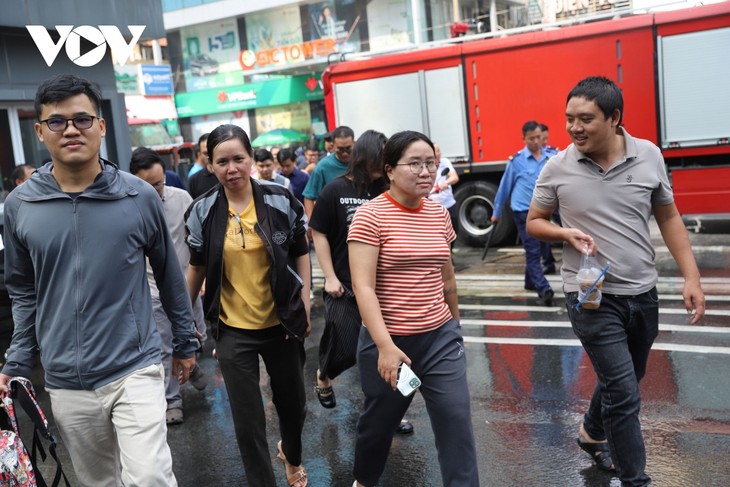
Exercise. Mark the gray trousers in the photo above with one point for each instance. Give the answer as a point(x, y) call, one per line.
point(164, 327)
point(439, 361)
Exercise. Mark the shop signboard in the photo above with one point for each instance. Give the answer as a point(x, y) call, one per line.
point(157, 79)
point(295, 116)
point(127, 79)
point(339, 20)
point(251, 95)
point(565, 9)
point(274, 36)
point(290, 53)
point(150, 107)
point(271, 30)
point(210, 55)
point(205, 124)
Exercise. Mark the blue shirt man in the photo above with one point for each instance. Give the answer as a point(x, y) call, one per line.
point(519, 179)
point(289, 170)
point(330, 167)
point(518, 182)
point(172, 179)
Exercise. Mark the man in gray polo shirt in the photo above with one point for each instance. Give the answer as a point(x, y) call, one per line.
point(606, 185)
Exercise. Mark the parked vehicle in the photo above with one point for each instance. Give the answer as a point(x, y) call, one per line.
point(202, 65)
point(152, 134)
point(472, 97)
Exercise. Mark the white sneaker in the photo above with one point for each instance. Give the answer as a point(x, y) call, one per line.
point(174, 416)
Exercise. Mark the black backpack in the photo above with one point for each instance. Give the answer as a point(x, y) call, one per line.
point(17, 467)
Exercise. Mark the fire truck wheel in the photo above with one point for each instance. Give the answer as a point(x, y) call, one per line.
point(475, 202)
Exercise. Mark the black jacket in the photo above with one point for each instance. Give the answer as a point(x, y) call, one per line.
point(281, 224)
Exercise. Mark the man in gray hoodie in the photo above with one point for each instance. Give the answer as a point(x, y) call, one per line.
point(76, 236)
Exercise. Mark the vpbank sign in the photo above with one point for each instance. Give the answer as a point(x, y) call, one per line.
point(71, 37)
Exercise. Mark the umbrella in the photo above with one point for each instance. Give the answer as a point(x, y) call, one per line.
point(279, 137)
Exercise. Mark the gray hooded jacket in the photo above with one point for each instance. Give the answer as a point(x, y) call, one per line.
point(75, 270)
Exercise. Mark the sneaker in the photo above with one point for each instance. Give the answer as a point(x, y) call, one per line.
point(174, 416)
point(197, 378)
point(404, 428)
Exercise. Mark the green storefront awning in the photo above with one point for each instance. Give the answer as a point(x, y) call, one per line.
point(251, 95)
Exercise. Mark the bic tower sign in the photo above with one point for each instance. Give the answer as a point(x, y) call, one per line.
point(71, 36)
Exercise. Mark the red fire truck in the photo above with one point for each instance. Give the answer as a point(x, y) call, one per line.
point(472, 97)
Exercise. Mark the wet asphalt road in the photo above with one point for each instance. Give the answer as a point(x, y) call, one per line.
point(529, 381)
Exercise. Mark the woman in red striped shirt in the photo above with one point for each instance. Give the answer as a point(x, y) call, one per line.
point(405, 286)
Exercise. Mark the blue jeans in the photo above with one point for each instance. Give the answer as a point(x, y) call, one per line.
point(535, 250)
point(617, 337)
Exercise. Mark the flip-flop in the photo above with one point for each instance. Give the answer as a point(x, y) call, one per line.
point(298, 476)
point(599, 452)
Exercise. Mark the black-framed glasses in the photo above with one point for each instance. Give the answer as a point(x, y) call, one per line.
point(343, 150)
point(417, 166)
point(59, 124)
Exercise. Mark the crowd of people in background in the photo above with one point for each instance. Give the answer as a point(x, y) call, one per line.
point(230, 258)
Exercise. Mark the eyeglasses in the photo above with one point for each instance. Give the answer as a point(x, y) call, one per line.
point(59, 124)
point(417, 166)
point(343, 150)
point(240, 227)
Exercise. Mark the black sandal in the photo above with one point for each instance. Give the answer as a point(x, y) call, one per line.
point(599, 452)
point(326, 396)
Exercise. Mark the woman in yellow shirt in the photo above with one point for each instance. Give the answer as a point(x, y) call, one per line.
point(248, 242)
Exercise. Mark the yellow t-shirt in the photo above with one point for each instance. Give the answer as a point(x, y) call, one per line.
point(246, 299)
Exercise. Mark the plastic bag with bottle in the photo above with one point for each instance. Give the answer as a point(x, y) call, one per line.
point(590, 281)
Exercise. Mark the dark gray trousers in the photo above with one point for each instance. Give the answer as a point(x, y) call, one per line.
point(439, 361)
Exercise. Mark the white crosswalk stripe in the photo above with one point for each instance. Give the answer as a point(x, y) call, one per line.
point(498, 289)
point(669, 347)
point(558, 309)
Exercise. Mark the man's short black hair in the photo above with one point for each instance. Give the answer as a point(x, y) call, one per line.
point(544, 127)
point(201, 140)
point(343, 132)
point(19, 173)
point(261, 155)
point(529, 126)
point(144, 158)
point(64, 86)
point(603, 91)
point(285, 154)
